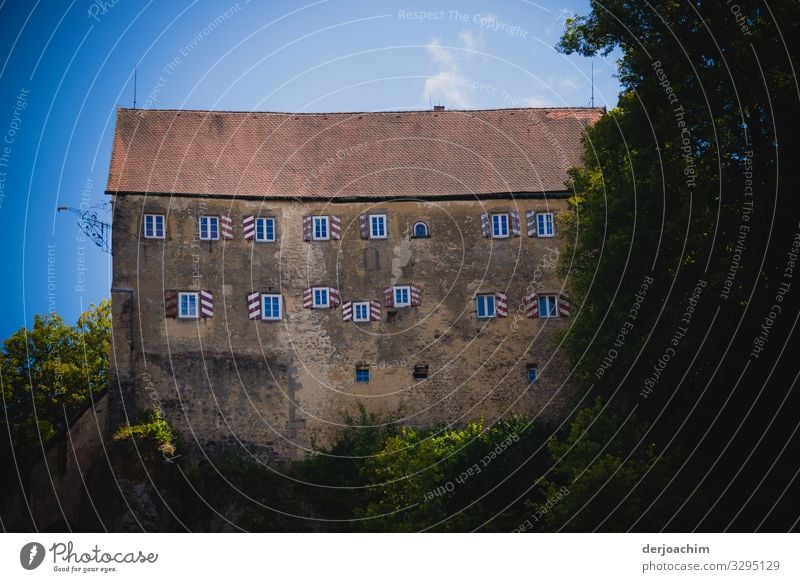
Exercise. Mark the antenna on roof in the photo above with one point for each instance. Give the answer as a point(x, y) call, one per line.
point(592, 84)
point(430, 101)
point(134, 86)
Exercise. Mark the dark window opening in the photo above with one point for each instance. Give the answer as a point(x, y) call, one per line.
point(420, 372)
point(533, 372)
point(391, 316)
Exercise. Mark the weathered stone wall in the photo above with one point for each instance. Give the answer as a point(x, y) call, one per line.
point(272, 387)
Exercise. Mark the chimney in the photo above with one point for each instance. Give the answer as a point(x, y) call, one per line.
point(438, 107)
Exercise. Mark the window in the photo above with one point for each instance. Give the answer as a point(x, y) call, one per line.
point(320, 295)
point(533, 373)
point(420, 372)
point(209, 228)
point(153, 226)
point(499, 225)
point(420, 230)
point(377, 226)
point(271, 307)
point(361, 311)
point(265, 229)
point(362, 374)
point(485, 306)
point(544, 224)
point(547, 306)
point(402, 296)
point(320, 231)
point(187, 305)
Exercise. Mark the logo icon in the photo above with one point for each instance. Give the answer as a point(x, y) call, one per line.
point(31, 555)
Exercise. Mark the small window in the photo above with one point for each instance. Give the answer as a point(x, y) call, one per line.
point(271, 307)
point(544, 224)
point(153, 226)
point(402, 296)
point(361, 311)
point(421, 372)
point(485, 306)
point(420, 230)
point(533, 372)
point(320, 295)
point(500, 225)
point(209, 228)
point(362, 374)
point(377, 226)
point(187, 305)
point(320, 225)
point(265, 229)
point(547, 306)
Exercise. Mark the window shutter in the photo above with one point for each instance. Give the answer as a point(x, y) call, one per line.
point(530, 218)
point(388, 297)
point(307, 228)
point(564, 305)
point(171, 303)
point(363, 226)
point(485, 225)
point(336, 227)
point(249, 227)
point(501, 304)
point(254, 305)
point(347, 311)
point(416, 295)
point(226, 226)
point(307, 300)
point(374, 310)
point(206, 304)
point(515, 230)
point(532, 305)
point(333, 297)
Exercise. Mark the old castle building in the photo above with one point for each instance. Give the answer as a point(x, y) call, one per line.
point(271, 271)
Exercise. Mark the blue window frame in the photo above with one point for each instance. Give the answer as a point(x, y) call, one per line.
point(402, 296)
point(265, 229)
point(209, 228)
point(544, 224)
point(547, 306)
point(362, 374)
point(533, 373)
point(485, 306)
point(271, 307)
point(500, 225)
point(153, 226)
point(377, 226)
point(321, 298)
point(320, 231)
point(361, 311)
point(187, 305)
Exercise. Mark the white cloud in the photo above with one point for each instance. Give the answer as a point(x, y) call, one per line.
point(439, 54)
point(471, 41)
point(569, 83)
point(447, 87)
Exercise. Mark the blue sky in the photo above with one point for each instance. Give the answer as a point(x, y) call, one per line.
point(66, 67)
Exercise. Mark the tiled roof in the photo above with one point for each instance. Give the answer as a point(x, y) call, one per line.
point(388, 154)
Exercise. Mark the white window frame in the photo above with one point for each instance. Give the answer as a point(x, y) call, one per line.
point(271, 296)
point(154, 230)
point(326, 221)
point(314, 291)
point(545, 314)
point(407, 289)
point(424, 225)
point(263, 221)
point(502, 220)
point(196, 297)
point(380, 218)
point(210, 219)
point(486, 297)
point(365, 306)
point(542, 227)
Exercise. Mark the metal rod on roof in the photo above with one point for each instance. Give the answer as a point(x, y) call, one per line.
point(592, 83)
point(134, 86)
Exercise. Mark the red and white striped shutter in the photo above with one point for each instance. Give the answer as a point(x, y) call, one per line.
point(363, 226)
point(170, 303)
point(254, 305)
point(336, 227)
point(374, 310)
point(416, 295)
point(226, 226)
point(307, 227)
point(564, 305)
point(333, 297)
point(501, 304)
point(388, 297)
point(530, 218)
point(485, 225)
point(307, 299)
point(515, 230)
point(532, 305)
point(347, 311)
point(249, 227)
point(206, 304)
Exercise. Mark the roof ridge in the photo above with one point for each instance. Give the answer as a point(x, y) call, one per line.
point(380, 112)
